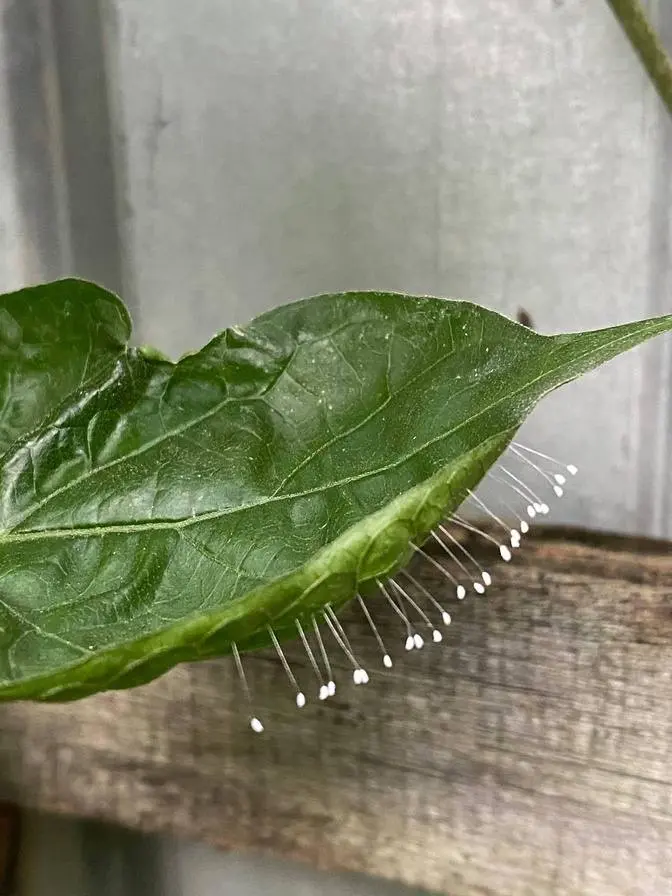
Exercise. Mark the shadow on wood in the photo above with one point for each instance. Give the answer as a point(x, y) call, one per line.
point(530, 752)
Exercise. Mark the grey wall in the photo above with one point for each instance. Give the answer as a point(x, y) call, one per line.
point(505, 150)
point(511, 152)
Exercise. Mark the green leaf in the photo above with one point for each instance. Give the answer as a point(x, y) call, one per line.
point(154, 512)
point(54, 341)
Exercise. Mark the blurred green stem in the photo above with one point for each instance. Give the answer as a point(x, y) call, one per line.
point(649, 48)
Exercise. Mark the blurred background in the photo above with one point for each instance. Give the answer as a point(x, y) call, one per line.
point(210, 160)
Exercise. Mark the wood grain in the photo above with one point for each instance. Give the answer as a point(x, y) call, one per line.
point(530, 753)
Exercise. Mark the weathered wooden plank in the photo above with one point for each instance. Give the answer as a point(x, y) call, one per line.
point(530, 753)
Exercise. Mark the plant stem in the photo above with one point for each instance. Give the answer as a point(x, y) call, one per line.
point(649, 48)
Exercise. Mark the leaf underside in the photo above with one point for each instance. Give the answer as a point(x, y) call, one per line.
point(154, 512)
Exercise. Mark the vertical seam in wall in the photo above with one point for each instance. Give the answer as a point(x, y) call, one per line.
point(87, 140)
point(61, 133)
point(110, 36)
point(55, 129)
point(34, 110)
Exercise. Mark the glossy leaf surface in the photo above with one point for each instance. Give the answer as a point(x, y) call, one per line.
point(153, 512)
